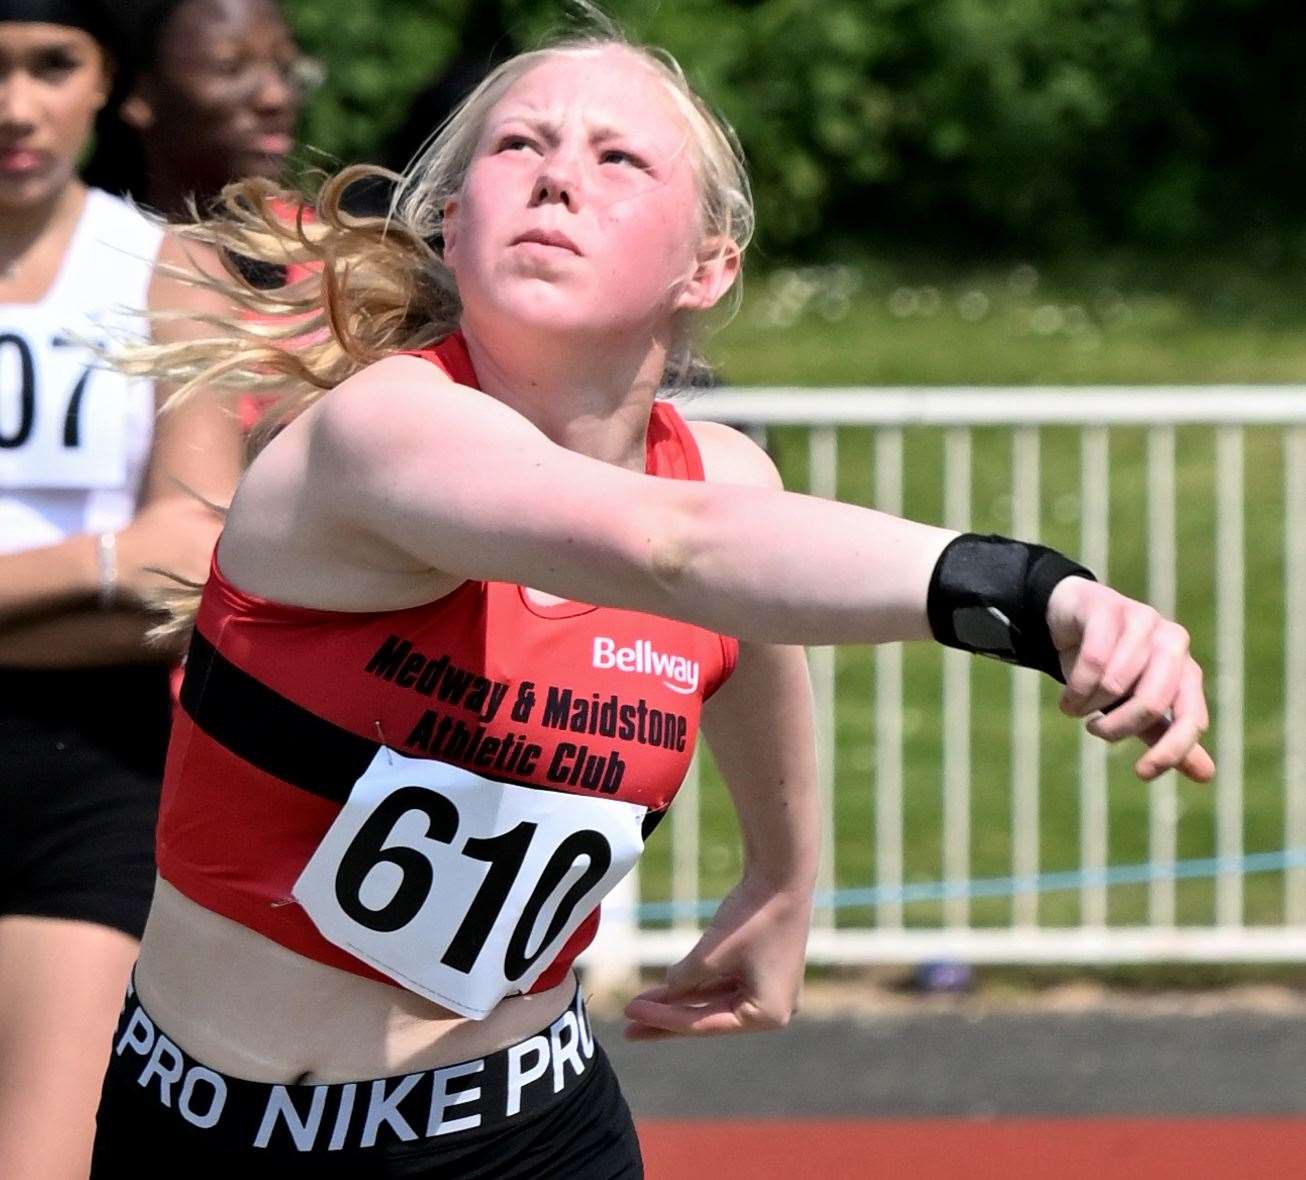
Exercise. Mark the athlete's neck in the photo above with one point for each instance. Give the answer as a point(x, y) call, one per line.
point(21, 227)
point(590, 398)
point(169, 192)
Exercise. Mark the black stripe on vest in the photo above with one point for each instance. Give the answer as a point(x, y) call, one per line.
point(281, 738)
point(269, 731)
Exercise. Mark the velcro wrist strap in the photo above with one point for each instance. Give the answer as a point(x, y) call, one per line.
point(989, 595)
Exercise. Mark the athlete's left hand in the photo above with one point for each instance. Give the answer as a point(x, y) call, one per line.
point(743, 975)
point(1129, 669)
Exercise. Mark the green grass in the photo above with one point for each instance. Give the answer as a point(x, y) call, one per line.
point(831, 327)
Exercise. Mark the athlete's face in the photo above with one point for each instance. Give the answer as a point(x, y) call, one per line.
point(580, 209)
point(224, 96)
point(53, 80)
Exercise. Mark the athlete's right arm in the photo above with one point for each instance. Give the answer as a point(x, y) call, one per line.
point(465, 485)
point(440, 477)
point(195, 456)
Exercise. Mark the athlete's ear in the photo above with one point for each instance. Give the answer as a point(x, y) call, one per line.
point(716, 267)
point(137, 111)
point(108, 71)
point(449, 230)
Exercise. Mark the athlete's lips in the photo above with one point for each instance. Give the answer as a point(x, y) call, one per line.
point(20, 160)
point(547, 237)
point(274, 143)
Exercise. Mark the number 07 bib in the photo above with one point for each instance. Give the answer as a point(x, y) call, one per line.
point(63, 420)
point(460, 888)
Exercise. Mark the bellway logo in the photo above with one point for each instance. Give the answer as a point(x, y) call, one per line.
point(678, 673)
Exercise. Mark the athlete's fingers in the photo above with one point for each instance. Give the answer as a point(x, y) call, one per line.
point(1155, 694)
point(1193, 763)
point(710, 1016)
point(1173, 743)
point(719, 1016)
point(690, 973)
point(1197, 765)
point(1176, 744)
point(665, 993)
point(1083, 694)
point(634, 1031)
point(694, 976)
point(1133, 651)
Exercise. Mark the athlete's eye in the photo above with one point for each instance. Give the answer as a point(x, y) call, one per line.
point(55, 63)
point(623, 157)
point(228, 67)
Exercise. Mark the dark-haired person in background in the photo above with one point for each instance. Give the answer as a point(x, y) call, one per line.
point(214, 97)
point(88, 504)
point(215, 93)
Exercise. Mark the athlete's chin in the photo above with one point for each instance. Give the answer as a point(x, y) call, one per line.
point(551, 310)
point(22, 190)
point(265, 165)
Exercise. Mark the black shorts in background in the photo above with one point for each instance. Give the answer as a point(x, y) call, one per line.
point(81, 762)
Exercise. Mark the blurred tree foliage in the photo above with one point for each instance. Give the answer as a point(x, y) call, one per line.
point(1007, 124)
point(377, 54)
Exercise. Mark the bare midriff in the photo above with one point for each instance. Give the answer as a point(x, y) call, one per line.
point(250, 1008)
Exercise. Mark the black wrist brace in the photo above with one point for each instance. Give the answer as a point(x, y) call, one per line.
point(989, 595)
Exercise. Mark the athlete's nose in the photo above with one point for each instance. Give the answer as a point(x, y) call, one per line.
point(18, 105)
point(553, 189)
point(558, 182)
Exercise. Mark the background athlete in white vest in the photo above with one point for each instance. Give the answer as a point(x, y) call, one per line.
point(87, 503)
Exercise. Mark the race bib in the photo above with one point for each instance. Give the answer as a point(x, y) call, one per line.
point(460, 888)
point(63, 423)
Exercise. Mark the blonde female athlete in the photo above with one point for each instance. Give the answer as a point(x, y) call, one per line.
point(464, 619)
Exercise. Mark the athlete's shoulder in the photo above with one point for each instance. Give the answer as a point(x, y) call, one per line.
point(114, 219)
point(183, 281)
point(730, 456)
point(376, 394)
point(402, 405)
point(108, 207)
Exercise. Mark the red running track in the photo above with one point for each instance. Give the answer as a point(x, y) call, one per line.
point(956, 1149)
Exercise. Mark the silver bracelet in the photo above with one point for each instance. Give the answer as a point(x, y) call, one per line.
point(106, 565)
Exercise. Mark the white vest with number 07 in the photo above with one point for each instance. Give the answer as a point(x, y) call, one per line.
point(75, 435)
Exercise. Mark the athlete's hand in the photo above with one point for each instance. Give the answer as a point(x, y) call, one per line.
point(1111, 648)
point(743, 975)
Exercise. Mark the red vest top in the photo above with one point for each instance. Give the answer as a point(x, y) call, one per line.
point(283, 708)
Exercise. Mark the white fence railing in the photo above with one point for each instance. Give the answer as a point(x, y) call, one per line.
point(1182, 496)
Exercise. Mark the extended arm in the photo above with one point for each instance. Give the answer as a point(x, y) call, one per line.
point(457, 482)
point(402, 484)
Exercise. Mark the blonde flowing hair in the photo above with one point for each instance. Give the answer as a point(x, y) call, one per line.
point(377, 285)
